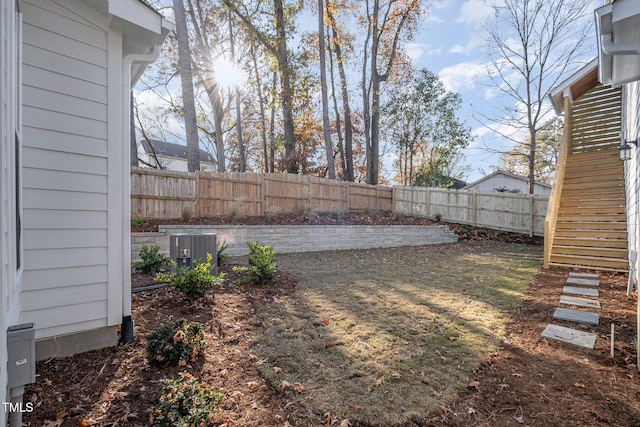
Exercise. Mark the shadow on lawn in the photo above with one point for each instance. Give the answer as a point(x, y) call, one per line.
point(389, 336)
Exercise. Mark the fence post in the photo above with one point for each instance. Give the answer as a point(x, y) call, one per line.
point(263, 185)
point(428, 203)
point(531, 216)
point(474, 206)
point(196, 205)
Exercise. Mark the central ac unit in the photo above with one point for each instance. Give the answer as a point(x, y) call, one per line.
point(184, 249)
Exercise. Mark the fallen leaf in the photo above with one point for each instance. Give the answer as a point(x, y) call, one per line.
point(328, 419)
point(517, 375)
point(474, 384)
point(254, 405)
point(253, 385)
point(444, 409)
point(435, 393)
point(277, 370)
point(284, 385)
point(325, 322)
point(471, 411)
point(48, 382)
point(287, 424)
point(81, 422)
point(504, 386)
point(579, 385)
point(345, 423)
point(520, 420)
point(50, 423)
point(300, 388)
point(380, 381)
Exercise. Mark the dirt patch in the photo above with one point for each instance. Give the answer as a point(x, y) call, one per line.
point(535, 381)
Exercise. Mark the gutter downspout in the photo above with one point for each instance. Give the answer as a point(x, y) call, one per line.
point(612, 49)
point(126, 330)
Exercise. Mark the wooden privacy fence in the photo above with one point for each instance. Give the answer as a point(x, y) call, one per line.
point(503, 211)
point(166, 194)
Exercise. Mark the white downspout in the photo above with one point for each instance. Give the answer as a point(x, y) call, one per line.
point(612, 49)
point(126, 332)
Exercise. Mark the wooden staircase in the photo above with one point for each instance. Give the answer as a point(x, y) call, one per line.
point(588, 228)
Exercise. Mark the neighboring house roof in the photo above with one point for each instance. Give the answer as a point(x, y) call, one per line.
point(178, 151)
point(579, 83)
point(504, 173)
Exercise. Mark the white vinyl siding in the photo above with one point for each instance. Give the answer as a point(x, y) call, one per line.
point(65, 167)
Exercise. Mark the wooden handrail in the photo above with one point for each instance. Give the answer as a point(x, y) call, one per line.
point(556, 191)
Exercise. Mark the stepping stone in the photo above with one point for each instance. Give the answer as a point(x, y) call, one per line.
point(580, 302)
point(589, 292)
point(571, 336)
point(583, 275)
point(577, 316)
point(584, 282)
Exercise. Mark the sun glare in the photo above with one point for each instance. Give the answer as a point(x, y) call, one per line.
point(227, 73)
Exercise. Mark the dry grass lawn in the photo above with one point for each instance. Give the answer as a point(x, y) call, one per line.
point(387, 336)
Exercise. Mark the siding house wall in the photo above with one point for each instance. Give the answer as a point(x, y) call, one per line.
point(65, 167)
point(509, 182)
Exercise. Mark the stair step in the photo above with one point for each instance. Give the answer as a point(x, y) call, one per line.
point(588, 292)
point(583, 281)
point(598, 234)
point(618, 253)
point(577, 316)
point(585, 242)
point(563, 224)
point(570, 336)
point(583, 275)
point(588, 267)
point(580, 302)
point(584, 261)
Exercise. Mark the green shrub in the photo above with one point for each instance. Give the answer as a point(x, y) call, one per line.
point(222, 257)
point(176, 343)
point(152, 260)
point(162, 278)
point(186, 402)
point(194, 282)
point(483, 231)
point(137, 222)
point(261, 263)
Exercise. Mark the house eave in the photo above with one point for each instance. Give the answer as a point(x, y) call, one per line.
point(618, 42)
point(574, 86)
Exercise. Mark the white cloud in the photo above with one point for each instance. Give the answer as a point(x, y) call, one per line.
point(415, 50)
point(462, 76)
point(443, 4)
point(475, 13)
point(458, 48)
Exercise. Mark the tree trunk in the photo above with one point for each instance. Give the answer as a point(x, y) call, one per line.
point(186, 77)
point(263, 118)
point(241, 149)
point(532, 159)
point(331, 167)
point(346, 107)
point(343, 164)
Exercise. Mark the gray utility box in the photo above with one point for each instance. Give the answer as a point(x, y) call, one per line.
point(184, 249)
point(21, 349)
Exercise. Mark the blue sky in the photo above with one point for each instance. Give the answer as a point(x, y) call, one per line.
point(451, 44)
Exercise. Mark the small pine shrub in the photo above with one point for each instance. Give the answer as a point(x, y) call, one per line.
point(262, 263)
point(438, 218)
point(176, 343)
point(152, 260)
point(222, 257)
point(194, 282)
point(187, 213)
point(186, 401)
point(137, 222)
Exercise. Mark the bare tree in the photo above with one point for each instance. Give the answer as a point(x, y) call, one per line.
point(186, 76)
point(533, 43)
point(388, 23)
point(323, 88)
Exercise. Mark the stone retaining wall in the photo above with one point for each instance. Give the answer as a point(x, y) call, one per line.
point(301, 238)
